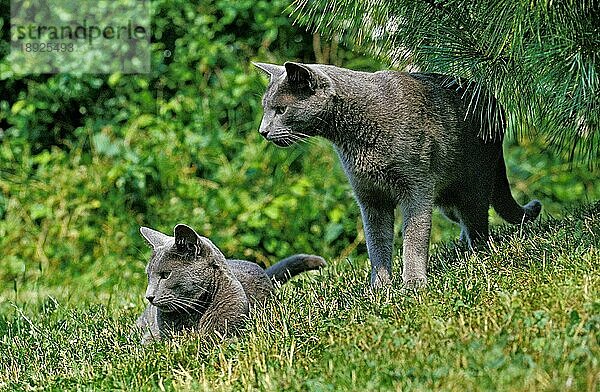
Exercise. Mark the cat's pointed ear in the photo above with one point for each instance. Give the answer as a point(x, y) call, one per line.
point(188, 241)
point(184, 236)
point(272, 70)
point(301, 76)
point(154, 238)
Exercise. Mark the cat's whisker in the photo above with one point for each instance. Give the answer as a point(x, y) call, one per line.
point(293, 138)
point(183, 304)
point(195, 308)
point(189, 302)
point(304, 138)
point(179, 305)
point(197, 305)
point(183, 301)
point(172, 306)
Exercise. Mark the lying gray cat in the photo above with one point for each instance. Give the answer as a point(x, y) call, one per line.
point(405, 140)
point(192, 286)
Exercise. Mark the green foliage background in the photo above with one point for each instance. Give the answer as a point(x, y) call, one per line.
point(86, 159)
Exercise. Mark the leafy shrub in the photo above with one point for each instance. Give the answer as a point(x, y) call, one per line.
point(87, 159)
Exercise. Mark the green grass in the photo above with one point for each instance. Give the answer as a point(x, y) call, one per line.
point(521, 315)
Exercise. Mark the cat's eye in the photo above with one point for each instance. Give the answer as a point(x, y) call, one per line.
point(164, 274)
point(280, 109)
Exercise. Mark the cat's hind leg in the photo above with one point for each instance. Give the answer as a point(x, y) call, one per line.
point(474, 224)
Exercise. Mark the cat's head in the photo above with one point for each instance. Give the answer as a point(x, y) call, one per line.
point(182, 269)
point(297, 103)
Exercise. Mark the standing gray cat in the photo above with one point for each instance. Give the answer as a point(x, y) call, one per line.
point(405, 140)
point(192, 286)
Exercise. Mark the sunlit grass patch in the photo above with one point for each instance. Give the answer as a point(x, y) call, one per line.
point(522, 314)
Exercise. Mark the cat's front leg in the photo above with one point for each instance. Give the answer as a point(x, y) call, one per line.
point(416, 232)
point(148, 323)
point(378, 223)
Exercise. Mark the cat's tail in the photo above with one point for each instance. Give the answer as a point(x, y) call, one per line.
point(285, 269)
point(504, 203)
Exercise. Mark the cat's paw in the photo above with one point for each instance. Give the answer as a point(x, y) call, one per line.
point(414, 285)
point(380, 281)
point(147, 339)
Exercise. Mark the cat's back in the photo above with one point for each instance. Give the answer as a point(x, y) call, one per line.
point(394, 82)
point(431, 88)
point(404, 90)
point(381, 82)
point(253, 278)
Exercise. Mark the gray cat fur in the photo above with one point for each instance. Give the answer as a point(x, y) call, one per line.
point(407, 140)
point(192, 286)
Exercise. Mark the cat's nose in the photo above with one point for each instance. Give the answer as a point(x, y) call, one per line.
point(150, 298)
point(264, 133)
